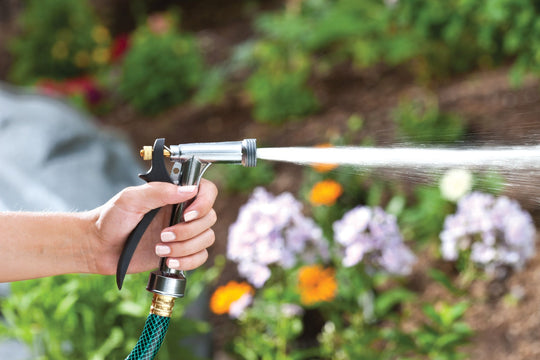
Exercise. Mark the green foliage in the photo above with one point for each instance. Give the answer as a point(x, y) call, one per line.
point(443, 332)
point(436, 39)
point(266, 332)
point(489, 182)
point(161, 69)
point(422, 220)
point(59, 39)
point(422, 122)
point(86, 317)
point(239, 179)
point(278, 88)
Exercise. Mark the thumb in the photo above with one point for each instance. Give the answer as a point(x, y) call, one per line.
point(143, 198)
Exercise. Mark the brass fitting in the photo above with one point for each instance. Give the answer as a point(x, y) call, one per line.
point(146, 153)
point(162, 305)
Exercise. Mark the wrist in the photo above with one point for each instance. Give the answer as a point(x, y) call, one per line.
point(90, 250)
point(84, 245)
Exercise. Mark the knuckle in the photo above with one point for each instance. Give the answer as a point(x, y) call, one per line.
point(213, 216)
point(203, 257)
point(211, 237)
point(125, 197)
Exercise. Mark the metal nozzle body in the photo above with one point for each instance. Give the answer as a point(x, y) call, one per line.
point(236, 152)
point(191, 161)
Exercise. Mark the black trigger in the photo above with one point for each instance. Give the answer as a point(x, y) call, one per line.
point(158, 170)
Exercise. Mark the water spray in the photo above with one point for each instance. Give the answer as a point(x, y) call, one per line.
point(189, 162)
point(498, 157)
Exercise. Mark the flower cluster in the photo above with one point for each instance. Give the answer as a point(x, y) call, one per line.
point(271, 230)
point(372, 236)
point(496, 231)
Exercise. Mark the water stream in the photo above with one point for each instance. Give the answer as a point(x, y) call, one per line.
point(504, 158)
point(519, 166)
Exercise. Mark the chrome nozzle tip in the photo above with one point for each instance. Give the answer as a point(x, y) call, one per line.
point(249, 152)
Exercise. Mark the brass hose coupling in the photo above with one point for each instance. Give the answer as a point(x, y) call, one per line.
point(162, 305)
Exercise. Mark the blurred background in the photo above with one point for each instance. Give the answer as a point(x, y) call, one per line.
point(87, 83)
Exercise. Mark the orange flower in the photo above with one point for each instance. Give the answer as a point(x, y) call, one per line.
point(325, 192)
point(324, 167)
point(316, 284)
point(224, 296)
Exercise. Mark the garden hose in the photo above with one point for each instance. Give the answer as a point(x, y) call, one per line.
point(155, 328)
point(190, 161)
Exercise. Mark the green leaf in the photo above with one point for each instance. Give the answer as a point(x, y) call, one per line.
point(390, 298)
point(444, 280)
point(432, 314)
point(450, 314)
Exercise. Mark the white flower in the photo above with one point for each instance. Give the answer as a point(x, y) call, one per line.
point(455, 183)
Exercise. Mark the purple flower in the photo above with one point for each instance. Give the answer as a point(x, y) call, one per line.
point(495, 230)
point(271, 230)
point(371, 235)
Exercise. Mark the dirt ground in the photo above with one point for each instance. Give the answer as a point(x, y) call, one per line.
point(497, 113)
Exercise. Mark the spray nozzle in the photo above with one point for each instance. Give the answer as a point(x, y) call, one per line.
point(189, 163)
point(233, 152)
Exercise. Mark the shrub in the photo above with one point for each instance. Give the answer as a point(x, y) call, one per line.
point(421, 122)
point(162, 67)
point(59, 39)
point(278, 87)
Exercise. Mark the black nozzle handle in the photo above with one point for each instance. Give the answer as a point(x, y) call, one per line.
point(157, 172)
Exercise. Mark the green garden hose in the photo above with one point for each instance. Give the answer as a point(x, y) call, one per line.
point(154, 330)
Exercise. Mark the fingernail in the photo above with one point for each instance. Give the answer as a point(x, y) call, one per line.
point(187, 189)
point(190, 215)
point(168, 236)
point(162, 250)
point(173, 263)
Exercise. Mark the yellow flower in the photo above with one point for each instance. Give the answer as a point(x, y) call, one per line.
point(101, 55)
point(316, 284)
point(100, 34)
point(323, 167)
point(224, 296)
point(325, 192)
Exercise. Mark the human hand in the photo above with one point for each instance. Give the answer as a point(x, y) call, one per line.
point(183, 244)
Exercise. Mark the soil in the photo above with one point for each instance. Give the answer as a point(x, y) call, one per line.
point(497, 113)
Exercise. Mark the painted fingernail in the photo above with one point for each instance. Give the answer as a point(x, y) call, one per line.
point(168, 236)
point(187, 189)
point(173, 263)
point(190, 215)
point(162, 250)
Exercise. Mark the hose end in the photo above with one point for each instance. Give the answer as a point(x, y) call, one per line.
point(162, 305)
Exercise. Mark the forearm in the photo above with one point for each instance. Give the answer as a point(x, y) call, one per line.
point(44, 244)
